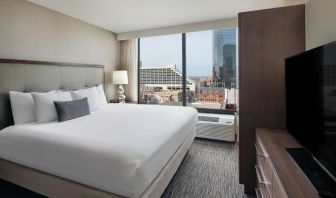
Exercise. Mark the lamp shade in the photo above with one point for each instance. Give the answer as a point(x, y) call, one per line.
point(120, 77)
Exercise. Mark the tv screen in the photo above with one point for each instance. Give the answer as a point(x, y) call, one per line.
point(311, 103)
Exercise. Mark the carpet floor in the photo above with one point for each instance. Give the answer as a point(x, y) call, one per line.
point(209, 170)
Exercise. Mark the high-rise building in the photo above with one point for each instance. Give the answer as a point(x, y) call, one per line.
point(164, 78)
point(224, 56)
point(229, 65)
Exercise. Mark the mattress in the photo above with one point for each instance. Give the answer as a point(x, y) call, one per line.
point(119, 149)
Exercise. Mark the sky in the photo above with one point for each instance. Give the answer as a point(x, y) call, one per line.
point(160, 51)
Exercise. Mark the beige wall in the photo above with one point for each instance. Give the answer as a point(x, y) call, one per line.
point(29, 31)
point(320, 22)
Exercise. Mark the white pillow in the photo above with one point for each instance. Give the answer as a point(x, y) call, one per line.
point(22, 107)
point(44, 104)
point(62, 95)
point(101, 95)
point(91, 94)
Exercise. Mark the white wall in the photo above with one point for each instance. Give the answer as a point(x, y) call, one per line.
point(320, 22)
point(192, 27)
point(32, 32)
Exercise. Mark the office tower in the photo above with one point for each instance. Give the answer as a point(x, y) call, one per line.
point(224, 57)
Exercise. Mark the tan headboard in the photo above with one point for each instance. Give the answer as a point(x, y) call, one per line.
point(39, 76)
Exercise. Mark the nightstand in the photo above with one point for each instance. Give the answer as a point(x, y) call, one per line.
point(129, 102)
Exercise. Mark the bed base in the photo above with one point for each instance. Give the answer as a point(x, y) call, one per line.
point(53, 186)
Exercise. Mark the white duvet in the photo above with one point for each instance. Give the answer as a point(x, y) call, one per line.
point(120, 149)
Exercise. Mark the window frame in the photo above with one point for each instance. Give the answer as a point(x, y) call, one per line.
point(184, 81)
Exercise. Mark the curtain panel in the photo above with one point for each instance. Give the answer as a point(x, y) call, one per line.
point(129, 62)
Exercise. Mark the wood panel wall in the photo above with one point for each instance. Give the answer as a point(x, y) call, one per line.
point(266, 37)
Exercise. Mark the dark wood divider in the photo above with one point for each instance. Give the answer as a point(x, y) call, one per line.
point(266, 38)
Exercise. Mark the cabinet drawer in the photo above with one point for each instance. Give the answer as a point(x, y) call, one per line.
point(264, 185)
point(266, 167)
point(265, 190)
point(261, 151)
point(258, 193)
point(277, 189)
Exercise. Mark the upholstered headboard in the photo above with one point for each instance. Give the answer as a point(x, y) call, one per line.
point(27, 76)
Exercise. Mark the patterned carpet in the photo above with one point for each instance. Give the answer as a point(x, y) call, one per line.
point(210, 170)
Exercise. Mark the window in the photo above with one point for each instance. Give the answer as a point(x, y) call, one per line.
point(211, 65)
point(210, 81)
point(160, 70)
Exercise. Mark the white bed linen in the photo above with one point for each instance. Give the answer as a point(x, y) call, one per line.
point(119, 149)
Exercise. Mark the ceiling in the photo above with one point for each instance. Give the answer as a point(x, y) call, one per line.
point(131, 15)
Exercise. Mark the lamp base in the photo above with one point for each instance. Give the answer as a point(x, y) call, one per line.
point(121, 96)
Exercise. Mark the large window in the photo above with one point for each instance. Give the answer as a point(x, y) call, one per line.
point(209, 64)
point(160, 70)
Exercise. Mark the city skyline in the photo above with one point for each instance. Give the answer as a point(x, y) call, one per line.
point(160, 51)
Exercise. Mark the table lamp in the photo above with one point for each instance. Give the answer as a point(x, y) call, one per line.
point(120, 78)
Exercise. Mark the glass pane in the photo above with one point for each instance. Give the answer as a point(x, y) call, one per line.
point(211, 69)
point(161, 70)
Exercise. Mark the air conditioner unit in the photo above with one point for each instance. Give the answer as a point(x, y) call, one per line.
point(216, 126)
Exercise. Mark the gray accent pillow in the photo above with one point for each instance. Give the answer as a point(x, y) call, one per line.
point(72, 109)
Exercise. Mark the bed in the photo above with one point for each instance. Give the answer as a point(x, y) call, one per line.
point(122, 150)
